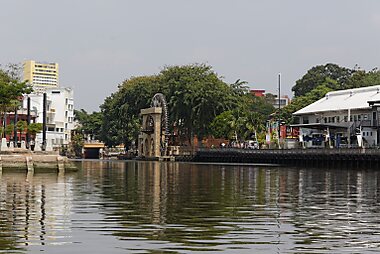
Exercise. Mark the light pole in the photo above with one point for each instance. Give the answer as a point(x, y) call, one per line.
point(279, 109)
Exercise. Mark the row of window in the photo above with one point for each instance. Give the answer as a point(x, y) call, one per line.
point(45, 66)
point(337, 119)
point(59, 141)
point(57, 129)
point(40, 78)
point(367, 133)
point(43, 70)
point(44, 73)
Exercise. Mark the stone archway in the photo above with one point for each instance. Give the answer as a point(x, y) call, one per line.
point(153, 139)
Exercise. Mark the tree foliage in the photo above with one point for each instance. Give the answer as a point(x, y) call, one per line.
point(245, 121)
point(11, 88)
point(89, 124)
point(195, 95)
point(34, 128)
point(317, 75)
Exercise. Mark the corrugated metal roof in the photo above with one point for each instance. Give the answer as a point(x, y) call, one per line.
point(343, 100)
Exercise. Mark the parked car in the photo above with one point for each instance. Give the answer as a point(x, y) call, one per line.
point(251, 144)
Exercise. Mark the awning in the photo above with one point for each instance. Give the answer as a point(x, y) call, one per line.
point(321, 126)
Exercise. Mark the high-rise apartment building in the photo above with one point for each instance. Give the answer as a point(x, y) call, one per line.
point(41, 75)
point(60, 102)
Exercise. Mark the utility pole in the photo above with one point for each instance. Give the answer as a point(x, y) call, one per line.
point(15, 119)
point(279, 110)
point(28, 122)
point(44, 122)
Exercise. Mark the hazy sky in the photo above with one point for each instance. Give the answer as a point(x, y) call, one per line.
point(98, 43)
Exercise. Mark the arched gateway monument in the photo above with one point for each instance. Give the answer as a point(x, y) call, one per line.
point(153, 139)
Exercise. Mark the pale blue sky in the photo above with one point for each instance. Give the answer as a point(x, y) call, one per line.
point(99, 43)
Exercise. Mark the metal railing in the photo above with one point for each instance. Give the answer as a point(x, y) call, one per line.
point(346, 151)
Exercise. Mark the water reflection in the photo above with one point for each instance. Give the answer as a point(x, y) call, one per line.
point(32, 211)
point(117, 207)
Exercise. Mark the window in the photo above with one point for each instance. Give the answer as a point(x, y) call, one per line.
point(359, 117)
point(363, 134)
point(338, 119)
point(305, 120)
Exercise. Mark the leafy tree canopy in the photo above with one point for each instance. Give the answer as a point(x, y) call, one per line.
point(90, 124)
point(318, 75)
point(195, 95)
point(11, 88)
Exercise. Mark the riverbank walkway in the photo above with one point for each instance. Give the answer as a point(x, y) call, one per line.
point(347, 157)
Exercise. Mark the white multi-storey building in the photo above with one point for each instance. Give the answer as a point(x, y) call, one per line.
point(43, 77)
point(59, 114)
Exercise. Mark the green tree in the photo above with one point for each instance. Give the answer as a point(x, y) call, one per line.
point(11, 88)
point(223, 125)
point(302, 101)
point(194, 93)
point(90, 124)
point(33, 129)
point(77, 145)
point(21, 127)
point(318, 75)
point(9, 129)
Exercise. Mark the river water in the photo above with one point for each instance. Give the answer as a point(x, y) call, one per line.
point(152, 207)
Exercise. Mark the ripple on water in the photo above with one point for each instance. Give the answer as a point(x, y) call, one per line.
point(184, 208)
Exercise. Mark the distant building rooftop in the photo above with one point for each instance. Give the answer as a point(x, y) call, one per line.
point(357, 98)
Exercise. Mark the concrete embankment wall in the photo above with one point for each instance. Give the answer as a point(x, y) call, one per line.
point(344, 158)
point(34, 161)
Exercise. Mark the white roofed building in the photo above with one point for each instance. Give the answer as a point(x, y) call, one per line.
point(342, 118)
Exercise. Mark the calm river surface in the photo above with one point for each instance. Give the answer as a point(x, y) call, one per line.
point(152, 207)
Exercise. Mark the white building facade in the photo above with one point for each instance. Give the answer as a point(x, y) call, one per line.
point(345, 118)
point(59, 115)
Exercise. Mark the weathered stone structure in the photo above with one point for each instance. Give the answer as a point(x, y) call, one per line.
point(153, 139)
